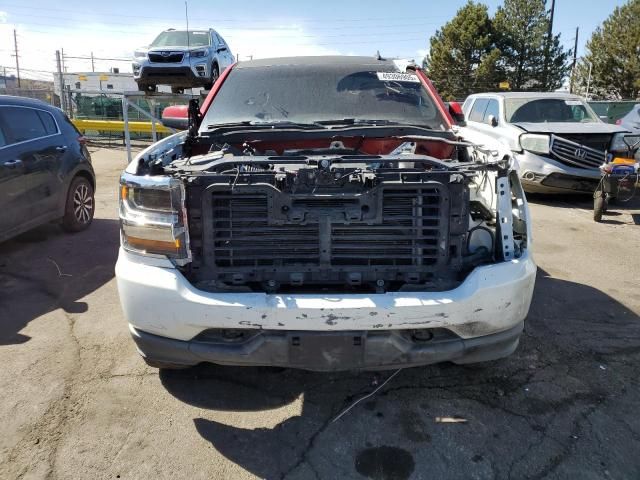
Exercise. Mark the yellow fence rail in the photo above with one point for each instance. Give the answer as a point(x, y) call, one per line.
point(117, 126)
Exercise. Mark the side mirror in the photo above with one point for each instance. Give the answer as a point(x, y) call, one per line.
point(493, 121)
point(455, 110)
point(222, 49)
point(176, 116)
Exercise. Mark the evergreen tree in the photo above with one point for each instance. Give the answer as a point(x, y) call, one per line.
point(463, 58)
point(530, 59)
point(614, 53)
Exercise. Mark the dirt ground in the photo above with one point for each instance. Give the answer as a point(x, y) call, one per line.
point(77, 402)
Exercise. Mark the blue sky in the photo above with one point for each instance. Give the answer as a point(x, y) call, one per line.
point(252, 28)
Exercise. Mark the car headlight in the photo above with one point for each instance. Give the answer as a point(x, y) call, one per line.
point(140, 54)
point(153, 217)
point(535, 143)
point(198, 53)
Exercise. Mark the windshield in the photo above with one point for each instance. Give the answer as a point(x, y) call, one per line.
point(317, 93)
point(179, 39)
point(537, 110)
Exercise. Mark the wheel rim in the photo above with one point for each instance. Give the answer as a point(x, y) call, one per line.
point(82, 204)
point(214, 74)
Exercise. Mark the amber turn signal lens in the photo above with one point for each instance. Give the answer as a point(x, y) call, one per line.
point(154, 246)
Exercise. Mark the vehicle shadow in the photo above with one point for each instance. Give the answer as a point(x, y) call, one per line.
point(570, 330)
point(47, 269)
point(584, 201)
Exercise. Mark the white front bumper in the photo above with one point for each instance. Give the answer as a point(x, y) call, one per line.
point(543, 166)
point(158, 299)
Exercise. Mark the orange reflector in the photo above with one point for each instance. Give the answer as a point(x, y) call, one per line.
point(624, 161)
point(124, 192)
point(154, 245)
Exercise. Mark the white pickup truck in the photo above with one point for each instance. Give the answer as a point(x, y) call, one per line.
point(322, 213)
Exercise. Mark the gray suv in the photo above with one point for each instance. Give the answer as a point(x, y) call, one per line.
point(181, 59)
point(556, 138)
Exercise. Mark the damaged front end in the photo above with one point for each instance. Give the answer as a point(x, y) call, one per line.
point(307, 220)
point(335, 222)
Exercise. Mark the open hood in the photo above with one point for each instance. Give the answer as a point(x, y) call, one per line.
point(566, 127)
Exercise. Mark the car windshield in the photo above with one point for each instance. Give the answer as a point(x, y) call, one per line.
point(322, 93)
point(543, 110)
point(177, 38)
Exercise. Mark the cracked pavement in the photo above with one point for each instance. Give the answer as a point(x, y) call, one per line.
point(78, 402)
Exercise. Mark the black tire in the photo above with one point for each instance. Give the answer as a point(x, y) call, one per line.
point(177, 90)
point(215, 73)
point(142, 87)
point(598, 206)
point(80, 206)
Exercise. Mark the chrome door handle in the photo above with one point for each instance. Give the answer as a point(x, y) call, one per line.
point(61, 148)
point(13, 163)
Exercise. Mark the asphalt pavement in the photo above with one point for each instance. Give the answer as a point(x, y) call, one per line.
point(77, 402)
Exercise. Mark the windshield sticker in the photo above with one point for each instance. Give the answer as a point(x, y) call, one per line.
point(397, 77)
point(573, 103)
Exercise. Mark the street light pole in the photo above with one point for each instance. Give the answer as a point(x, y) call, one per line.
point(588, 79)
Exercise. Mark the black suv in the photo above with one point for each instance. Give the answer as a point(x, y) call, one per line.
point(45, 169)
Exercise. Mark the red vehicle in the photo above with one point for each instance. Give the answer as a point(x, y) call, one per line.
point(322, 213)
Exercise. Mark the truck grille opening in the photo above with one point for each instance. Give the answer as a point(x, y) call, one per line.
point(243, 236)
point(407, 235)
point(390, 235)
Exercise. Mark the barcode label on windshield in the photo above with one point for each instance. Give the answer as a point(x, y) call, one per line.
point(397, 77)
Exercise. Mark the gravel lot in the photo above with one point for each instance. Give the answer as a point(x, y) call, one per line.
point(76, 401)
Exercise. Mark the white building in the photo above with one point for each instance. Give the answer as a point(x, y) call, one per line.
point(88, 81)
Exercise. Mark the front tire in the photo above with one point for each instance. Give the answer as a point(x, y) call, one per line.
point(215, 73)
point(80, 206)
point(143, 87)
point(598, 205)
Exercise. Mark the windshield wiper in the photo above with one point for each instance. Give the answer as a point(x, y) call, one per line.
point(367, 122)
point(267, 124)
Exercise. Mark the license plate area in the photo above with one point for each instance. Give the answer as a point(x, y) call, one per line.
point(332, 349)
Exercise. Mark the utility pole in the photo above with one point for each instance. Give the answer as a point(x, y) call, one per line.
point(575, 60)
point(93, 69)
point(61, 80)
point(549, 42)
point(15, 46)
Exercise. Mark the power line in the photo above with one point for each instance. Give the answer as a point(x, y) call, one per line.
point(91, 57)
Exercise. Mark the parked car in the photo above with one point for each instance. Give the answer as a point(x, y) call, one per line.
point(45, 169)
point(322, 214)
point(557, 139)
point(631, 121)
point(182, 59)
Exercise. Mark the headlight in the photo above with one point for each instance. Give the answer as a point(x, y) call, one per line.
point(153, 217)
point(535, 143)
point(140, 54)
point(198, 53)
